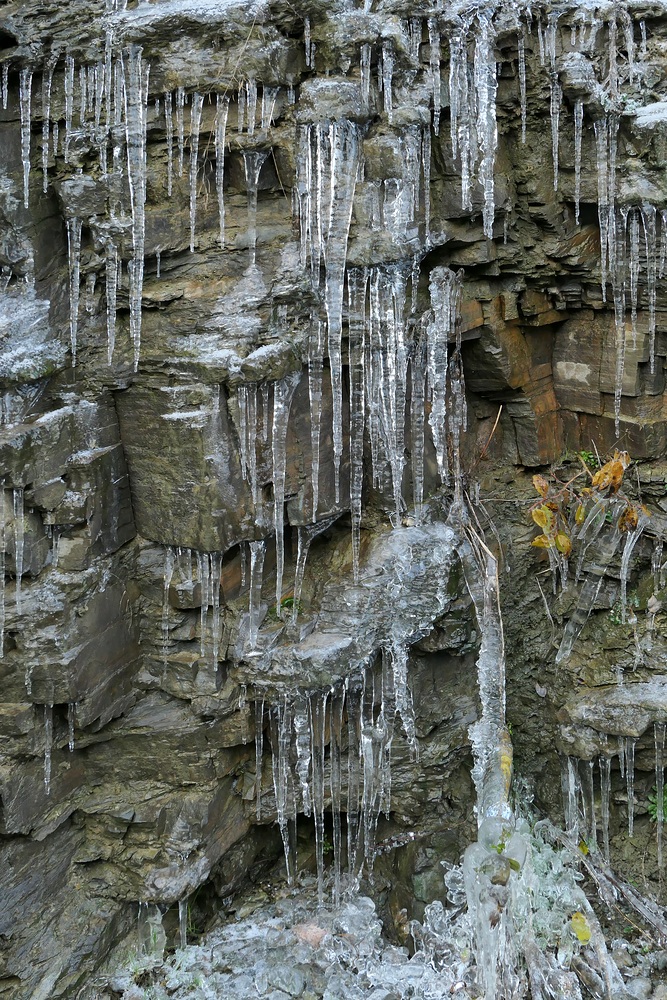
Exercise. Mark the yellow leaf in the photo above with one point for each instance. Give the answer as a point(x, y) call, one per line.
point(610, 476)
point(581, 927)
point(563, 543)
point(541, 485)
point(542, 542)
point(580, 514)
point(543, 517)
point(583, 847)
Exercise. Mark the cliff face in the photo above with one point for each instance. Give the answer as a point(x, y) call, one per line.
point(251, 256)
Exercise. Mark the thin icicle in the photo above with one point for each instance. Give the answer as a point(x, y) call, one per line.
point(111, 258)
point(71, 724)
point(253, 162)
point(195, 124)
point(315, 368)
point(556, 92)
point(5, 85)
point(222, 112)
point(387, 77)
point(578, 129)
point(47, 82)
point(521, 44)
point(486, 86)
point(650, 231)
point(259, 750)
point(659, 739)
point(434, 61)
point(48, 746)
point(69, 104)
point(25, 94)
point(283, 393)
point(216, 621)
point(365, 69)
point(630, 783)
point(169, 562)
point(180, 128)
point(605, 799)
point(257, 553)
point(74, 227)
point(136, 90)
point(357, 281)
point(169, 126)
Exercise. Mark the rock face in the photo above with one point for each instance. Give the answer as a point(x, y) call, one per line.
point(270, 272)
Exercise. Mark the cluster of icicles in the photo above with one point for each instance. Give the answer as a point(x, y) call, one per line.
point(106, 106)
point(579, 791)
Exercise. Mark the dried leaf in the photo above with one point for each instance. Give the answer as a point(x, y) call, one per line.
point(543, 517)
point(541, 485)
point(629, 519)
point(610, 476)
point(563, 543)
point(542, 542)
point(581, 927)
point(580, 514)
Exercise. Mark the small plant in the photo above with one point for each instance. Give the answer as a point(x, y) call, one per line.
point(286, 604)
point(653, 803)
point(589, 458)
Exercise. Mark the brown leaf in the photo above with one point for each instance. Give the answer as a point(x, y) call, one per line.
point(610, 476)
point(542, 542)
point(563, 543)
point(541, 485)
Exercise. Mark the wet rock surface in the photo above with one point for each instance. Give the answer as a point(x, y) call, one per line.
point(147, 467)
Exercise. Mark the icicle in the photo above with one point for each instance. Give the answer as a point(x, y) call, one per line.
point(650, 231)
point(304, 750)
point(5, 85)
point(169, 125)
point(434, 63)
point(195, 123)
point(204, 570)
point(257, 553)
point(216, 623)
point(74, 263)
point(251, 105)
point(603, 199)
point(259, 750)
point(353, 773)
point(253, 162)
point(222, 111)
point(605, 798)
point(180, 128)
point(426, 167)
point(572, 788)
point(593, 836)
point(283, 393)
point(632, 537)
point(83, 89)
point(659, 739)
point(318, 709)
point(3, 566)
point(445, 290)
point(634, 271)
point(136, 88)
point(269, 98)
point(365, 69)
point(71, 723)
point(387, 76)
point(25, 93)
point(578, 128)
point(306, 534)
point(486, 85)
point(315, 367)
point(111, 254)
point(630, 783)
point(69, 104)
point(357, 281)
point(183, 922)
point(556, 92)
point(344, 145)
point(281, 730)
point(622, 753)
point(91, 281)
point(48, 746)
point(417, 384)
point(521, 43)
point(306, 39)
point(47, 82)
point(158, 256)
point(19, 540)
point(335, 729)
point(169, 560)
